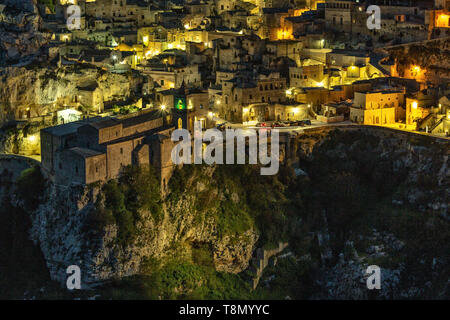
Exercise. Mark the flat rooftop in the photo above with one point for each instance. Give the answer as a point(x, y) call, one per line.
point(132, 121)
point(85, 153)
point(71, 127)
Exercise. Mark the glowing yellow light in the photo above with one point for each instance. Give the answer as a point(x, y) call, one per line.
point(283, 34)
point(296, 110)
point(186, 26)
point(245, 110)
point(170, 46)
point(320, 84)
point(145, 40)
point(218, 101)
point(448, 116)
point(210, 114)
point(299, 12)
point(163, 107)
point(32, 138)
point(442, 21)
point(414, 105)
point(289, 92)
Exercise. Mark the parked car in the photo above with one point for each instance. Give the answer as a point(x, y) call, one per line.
point(277, 124)
point(295, 123)
point(221, 126)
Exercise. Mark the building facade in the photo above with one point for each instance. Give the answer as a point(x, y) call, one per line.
point(93, 150)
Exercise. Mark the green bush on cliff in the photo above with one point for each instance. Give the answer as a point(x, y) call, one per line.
point(178, 181)
point(180, 280)
point(30, 187)
point(123, 201)
point(202, 255)
point(49, 3)
point(141, 188)
point(263, 201)
point(232, 219)
point(240, 199)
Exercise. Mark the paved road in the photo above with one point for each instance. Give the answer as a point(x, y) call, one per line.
point(299, 129)
point(319, 124)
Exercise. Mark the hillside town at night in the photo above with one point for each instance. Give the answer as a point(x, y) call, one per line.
point(92, 93)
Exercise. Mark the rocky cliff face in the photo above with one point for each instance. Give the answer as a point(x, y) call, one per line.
point(45, 89)
point(19, 31)
point(61, 226)
point(416, 166)
point(384, 198)
point(371, 197)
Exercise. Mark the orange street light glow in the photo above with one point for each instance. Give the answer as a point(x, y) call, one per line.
point(442, 21)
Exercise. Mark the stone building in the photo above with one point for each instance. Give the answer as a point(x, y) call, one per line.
point(338, 14)
point(286, 111)
point(418, 108)
point(307, 76)
point(377, 107)
point(125, 13)
point(348, 66)
point(187, 105)
point(91, 96)
point(316, 96)
point(282, 48)
point(97, 149)
point(172, 76)
point(241, 91)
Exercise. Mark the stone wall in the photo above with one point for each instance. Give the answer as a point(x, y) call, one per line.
point(261, 260)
